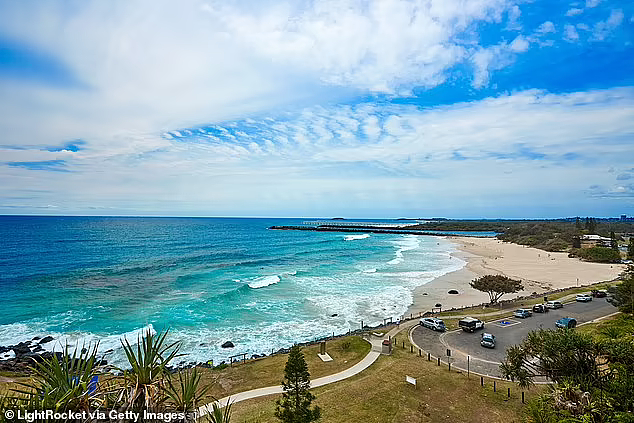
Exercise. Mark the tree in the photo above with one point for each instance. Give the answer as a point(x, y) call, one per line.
point(496, 286)
point(578, 223)
point(630, 249)
point(595, 377)
point(613, 242)
point(622, 295)
point(294, 406)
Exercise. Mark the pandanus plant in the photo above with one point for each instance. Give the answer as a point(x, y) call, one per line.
point(145, 380)
point(65, 382)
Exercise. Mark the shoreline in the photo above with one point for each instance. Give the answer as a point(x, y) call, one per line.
point(539, 270)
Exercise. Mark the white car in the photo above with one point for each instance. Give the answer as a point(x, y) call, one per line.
point(433, 323)
point(554, 304)
point(584, 298)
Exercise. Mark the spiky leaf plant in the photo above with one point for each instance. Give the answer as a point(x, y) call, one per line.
point(144, 381)
point(219, 414)
point(184, 392)
point(64, 382)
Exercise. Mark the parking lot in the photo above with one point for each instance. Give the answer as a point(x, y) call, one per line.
point(508, 331)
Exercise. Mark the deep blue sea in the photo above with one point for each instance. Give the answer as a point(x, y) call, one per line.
point(87, 279)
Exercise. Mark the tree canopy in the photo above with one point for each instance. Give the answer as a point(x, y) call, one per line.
point(294, 406)
point(594, 376)
point(496, 286)
point(622, 295)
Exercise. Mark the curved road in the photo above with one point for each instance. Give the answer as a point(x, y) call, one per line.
point(507, 331)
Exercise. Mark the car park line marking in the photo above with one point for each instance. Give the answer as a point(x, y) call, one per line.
point(505, 323)
point(446, 345)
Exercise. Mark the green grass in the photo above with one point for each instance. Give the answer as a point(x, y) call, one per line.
point(524, 303)
point(268, 371)
point(621, 325)
point(380, 394)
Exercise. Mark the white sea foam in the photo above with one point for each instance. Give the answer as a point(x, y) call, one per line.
point(373, 270)
point(355, 237)
point(264, 281)
point(406, 243)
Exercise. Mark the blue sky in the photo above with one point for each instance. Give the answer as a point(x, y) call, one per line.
point(387, 108)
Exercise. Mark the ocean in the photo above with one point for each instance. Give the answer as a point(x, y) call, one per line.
point(209, 280)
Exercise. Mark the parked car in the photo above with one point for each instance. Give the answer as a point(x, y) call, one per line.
point(566, 323)
point(470, 324)
point(433, 323)
point(584, 298)
point(554, 304)
point(540, 308)
point(522, 313)
point(599, 293)
point(487, 340)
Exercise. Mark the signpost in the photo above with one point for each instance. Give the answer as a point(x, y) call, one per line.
point(411, 380)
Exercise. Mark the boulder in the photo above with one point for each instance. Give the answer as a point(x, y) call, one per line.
point(334, 315)
point(21, 349)
point(228, 344)
point(46, 339)
point(452, 291)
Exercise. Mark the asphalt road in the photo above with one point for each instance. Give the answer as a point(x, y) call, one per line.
point(509, 331)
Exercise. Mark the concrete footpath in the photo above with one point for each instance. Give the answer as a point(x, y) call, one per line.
point(367, 361)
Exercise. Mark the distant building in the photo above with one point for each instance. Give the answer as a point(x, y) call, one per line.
point(595, 241)
point(623, 218)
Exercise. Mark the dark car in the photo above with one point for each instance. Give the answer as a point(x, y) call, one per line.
point(470, 324)
point(566, 323)
point(540, 308)
point(599, 293)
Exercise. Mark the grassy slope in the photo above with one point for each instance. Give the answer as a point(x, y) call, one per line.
point(380, 395)
point(269, 371)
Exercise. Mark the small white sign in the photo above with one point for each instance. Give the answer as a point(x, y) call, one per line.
point(411, 380)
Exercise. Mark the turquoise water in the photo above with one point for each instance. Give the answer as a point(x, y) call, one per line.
point(83, 279)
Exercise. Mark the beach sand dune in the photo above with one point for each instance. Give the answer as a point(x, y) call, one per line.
point(540, 271)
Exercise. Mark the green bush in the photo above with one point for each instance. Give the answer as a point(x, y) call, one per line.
point(599, 254)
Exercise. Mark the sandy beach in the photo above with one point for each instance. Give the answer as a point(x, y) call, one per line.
point(540, 271)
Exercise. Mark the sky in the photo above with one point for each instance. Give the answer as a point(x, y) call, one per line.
point(347, 108)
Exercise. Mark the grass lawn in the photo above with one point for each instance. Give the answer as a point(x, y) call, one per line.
point(269, 371)
point(380, 394)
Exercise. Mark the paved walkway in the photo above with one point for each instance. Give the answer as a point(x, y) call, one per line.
point(367, 361)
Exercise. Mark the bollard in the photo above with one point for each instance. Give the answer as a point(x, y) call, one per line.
point(508, 395)
point(493, 386)
point(403, 344)
point(428, 356)
point(420, 352)
point(439, 361)
point(411, 348)
point(449, 366)
point(481, 381)
point(468, 367)
point(522, 397)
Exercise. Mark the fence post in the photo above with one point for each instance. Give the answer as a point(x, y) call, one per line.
point(509, 393)
point(411, 348)
point(449, 365)
point(403, 344)
point(420, 352)
point(439, 361)
point(468, 363)
point(481, 380)
point(522, 397)
point(428, 356)
point(494, 386)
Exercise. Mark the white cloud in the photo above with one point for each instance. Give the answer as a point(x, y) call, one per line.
point(546, 28)
point(602, 29)
point(398, 156)
point(486, 60)
point(377, 45)
point(574, 12)
point(570, 33)
point(592, 3)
